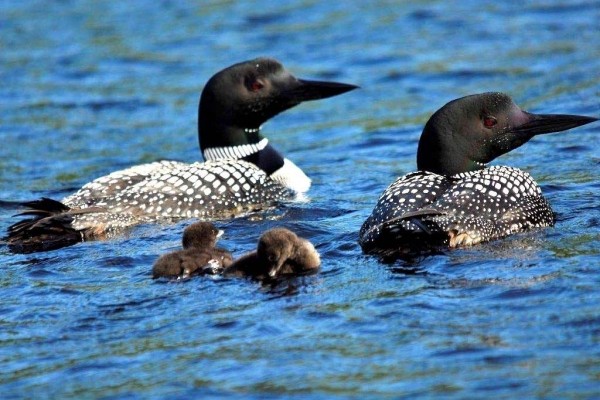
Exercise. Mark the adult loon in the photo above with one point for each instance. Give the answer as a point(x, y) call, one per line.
point(242, 172)
point(280, 252)
point(199, 254)
point(455, 199)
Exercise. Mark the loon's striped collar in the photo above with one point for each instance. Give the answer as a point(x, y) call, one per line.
point(234, 152)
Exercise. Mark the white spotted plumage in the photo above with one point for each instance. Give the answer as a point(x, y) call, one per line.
point(463, 209)
point(170, 189)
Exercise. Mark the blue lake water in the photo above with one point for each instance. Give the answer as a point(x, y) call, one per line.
point(92, 87)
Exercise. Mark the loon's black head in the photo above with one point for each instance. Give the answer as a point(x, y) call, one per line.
point(200, 235)
point(469, 132)
point(238, 99)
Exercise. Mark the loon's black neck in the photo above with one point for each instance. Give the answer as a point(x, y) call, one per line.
point(444, 152)
point(267, 159)
point(223, 135)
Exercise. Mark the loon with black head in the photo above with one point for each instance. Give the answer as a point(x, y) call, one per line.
point(242, 171)
point(455, 199)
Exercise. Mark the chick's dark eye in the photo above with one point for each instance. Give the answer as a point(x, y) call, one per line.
point(489, 122)
point(255, 86)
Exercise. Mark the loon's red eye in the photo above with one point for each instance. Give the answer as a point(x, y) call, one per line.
point(255, 86)
point(489, 122)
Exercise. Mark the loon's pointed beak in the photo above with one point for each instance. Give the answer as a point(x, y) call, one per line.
point(305, 90)
point(538, 124)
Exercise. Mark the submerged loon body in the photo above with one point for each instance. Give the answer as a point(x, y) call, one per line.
point(455, 199)
point(242, 172)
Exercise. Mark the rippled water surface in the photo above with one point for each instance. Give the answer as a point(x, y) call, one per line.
point(92, 87)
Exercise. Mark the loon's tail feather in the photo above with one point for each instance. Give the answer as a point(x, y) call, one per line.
point(411, 232)
point(49, 229)
point(427, 230)
point(417, 218)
